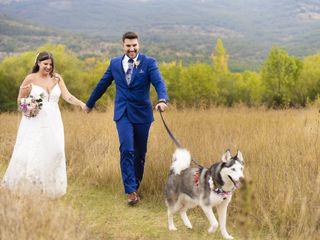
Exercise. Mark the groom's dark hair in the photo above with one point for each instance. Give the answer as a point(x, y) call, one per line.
point(129, 35)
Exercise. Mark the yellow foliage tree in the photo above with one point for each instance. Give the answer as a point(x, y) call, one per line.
point(220, 58)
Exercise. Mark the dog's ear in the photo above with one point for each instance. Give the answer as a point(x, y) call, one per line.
point(226, 156)
point(239, 156)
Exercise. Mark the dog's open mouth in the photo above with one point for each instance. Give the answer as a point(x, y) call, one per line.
point(236, 184)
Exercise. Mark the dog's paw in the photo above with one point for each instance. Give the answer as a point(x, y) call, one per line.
point(227, 236)
point(212, 229)
point(172, 228)
point(189, 226)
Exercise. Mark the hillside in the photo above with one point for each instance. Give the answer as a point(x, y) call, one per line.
point(187, 29)
point(18, 36)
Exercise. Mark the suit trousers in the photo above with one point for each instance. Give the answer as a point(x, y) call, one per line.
point(133, 140)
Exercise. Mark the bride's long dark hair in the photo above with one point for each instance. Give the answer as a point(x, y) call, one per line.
point(41, 57)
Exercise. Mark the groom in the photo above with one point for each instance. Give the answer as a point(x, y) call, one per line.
point(133, 72)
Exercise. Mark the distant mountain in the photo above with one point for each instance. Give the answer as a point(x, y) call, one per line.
point(18, 36)
point(185, 29)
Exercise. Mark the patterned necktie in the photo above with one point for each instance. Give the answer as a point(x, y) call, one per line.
point(129, 71)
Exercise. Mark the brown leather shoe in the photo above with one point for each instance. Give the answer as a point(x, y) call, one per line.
point(133, 198)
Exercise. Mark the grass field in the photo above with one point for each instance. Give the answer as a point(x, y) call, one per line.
point(280, 198)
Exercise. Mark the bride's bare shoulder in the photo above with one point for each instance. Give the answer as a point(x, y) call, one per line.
point(56, 77)
point(29, 78)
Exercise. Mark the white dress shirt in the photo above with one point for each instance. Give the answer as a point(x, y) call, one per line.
point(125, 63)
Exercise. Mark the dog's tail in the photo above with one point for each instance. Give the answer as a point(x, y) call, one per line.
point(181, 160)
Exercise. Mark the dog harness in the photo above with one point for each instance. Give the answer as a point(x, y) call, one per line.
point(196, 178)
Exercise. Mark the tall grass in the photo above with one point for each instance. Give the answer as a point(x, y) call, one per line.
point(35, 217)
point(280, 197)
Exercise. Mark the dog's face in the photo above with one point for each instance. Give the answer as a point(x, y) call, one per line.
point(232, 172)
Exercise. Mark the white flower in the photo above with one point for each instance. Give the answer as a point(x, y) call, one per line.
point(37, 98)
point(31, 106)
point(28, 100)
point(136, 63)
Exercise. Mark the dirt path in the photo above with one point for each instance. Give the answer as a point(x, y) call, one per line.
point(110, 217)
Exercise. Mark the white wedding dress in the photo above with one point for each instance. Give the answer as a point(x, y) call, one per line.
point(38, 161)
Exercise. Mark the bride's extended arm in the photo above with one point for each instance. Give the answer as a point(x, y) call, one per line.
point(25, 88)
point(67, 96)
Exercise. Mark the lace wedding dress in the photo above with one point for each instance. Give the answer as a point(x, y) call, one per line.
point(38, 160)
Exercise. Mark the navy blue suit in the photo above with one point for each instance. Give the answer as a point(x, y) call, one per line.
point(133, 112)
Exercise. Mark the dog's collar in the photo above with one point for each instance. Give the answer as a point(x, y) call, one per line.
point(219, 191)
point(222, 193)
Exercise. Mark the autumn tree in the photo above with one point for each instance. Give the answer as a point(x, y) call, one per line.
point(220, 58)
point(280, 75)
point(309, 84)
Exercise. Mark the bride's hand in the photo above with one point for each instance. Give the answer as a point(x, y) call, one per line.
point(85, 108)
point(82, 105)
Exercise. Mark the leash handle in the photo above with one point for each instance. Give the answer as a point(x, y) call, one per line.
point(159, 109)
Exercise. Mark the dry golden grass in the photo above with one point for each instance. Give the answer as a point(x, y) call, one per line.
point(35, 217)
point(280, 197)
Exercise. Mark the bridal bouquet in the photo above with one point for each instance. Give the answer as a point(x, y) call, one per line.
point(31, 106)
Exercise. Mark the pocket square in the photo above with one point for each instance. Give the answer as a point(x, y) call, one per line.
point(141, 71)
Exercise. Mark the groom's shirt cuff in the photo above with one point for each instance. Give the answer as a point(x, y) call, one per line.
point(163, 100)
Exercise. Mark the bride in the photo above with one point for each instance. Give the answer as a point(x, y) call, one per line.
point(38, 161)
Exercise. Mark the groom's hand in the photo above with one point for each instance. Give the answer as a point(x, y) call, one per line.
point(86, 109)
point(161, 106)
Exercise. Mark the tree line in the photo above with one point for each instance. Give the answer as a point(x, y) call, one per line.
point(283, 80)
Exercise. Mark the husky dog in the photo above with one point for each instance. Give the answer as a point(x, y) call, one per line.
point(190, 187)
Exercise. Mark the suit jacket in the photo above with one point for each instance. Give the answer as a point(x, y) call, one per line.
point(135, 98)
